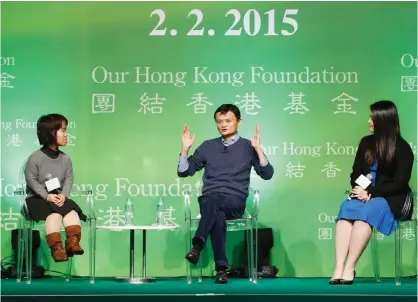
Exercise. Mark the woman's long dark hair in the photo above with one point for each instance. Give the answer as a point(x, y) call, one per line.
point(384, 115)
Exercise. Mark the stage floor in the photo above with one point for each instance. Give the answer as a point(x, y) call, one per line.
point(283, 289)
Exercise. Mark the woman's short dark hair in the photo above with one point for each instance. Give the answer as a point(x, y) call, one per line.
point(47, 128)
point(225, 108)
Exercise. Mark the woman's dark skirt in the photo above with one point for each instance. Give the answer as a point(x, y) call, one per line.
point(40, 209)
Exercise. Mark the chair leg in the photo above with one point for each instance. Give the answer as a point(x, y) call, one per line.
point(20, 249)
point(398, 254)
point(26, 245)
point(92, 246)
point(69, 268)
point(199, 271)
point(29, 252)
point(189, 273)
point(188, 264)
point(375, 256)
point(415, 222)
point(252, 255)
point(199, 263)
point(256, 255)
point(249, 255)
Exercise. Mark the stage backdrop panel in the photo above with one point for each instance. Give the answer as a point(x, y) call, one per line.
point(129, 76)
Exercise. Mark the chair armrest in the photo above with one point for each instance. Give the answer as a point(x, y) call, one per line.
point(253, 203)
point(413, 196)
point(19, 191)
point(90, 202)
point(187, 209)
point(187, 195)
point(347, 193)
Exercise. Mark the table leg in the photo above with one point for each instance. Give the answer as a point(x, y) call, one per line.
point(131, 278)
point(144, 254)
point(132, 254)
point(144, 278)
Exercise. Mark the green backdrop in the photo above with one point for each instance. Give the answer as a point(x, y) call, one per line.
point(305, 72)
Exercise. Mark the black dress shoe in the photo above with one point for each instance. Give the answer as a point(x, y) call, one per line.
point(221, 278)
point(334, 281)
point(193, 256)
point(348, 282)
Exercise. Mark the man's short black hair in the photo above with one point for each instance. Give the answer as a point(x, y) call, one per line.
point(223, 109)
point(47, 128)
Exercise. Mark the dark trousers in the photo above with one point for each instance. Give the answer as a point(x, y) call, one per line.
point(215, 210)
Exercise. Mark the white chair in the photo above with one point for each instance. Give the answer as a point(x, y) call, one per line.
point(409, 203)
point(27, 225)
point(248, 223)
point(402, 224)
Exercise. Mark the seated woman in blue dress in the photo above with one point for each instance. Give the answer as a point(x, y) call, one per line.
point(389, 159)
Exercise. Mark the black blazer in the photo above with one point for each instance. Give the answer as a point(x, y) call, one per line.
point(391, 184)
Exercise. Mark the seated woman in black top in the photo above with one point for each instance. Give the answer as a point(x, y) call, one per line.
point(389, 159)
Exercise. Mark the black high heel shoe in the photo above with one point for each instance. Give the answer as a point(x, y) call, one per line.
point(348, 282)
point(334, 281)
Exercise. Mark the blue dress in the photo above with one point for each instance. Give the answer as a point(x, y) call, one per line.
point(375, 212)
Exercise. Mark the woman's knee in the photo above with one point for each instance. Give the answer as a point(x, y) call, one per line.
point(72, 218)
point(53, 223)
point(363, 223)
point(71, 214)
point(345, 220)
point(54, 216)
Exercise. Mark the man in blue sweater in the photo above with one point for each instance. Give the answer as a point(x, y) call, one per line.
point(227, 161)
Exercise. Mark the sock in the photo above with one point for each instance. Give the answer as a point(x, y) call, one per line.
point(197, 244)
point(221, 268)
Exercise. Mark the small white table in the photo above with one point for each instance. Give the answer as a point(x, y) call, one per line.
point(132, 229)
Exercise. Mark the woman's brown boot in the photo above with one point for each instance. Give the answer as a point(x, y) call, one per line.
point(72, 246)
point(55, 244)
